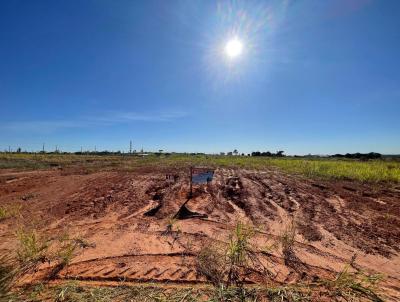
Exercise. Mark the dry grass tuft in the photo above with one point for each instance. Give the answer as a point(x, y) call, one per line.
point(8, 274)
point(32, 247)
point(352, 285)
point(10, 211)
point(223, 263)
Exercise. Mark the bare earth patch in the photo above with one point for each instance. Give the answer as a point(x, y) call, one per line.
point(131, 222)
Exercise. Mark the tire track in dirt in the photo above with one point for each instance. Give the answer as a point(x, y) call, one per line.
point(143, 268)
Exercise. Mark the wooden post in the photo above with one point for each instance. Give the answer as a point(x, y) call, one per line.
point(190, 181)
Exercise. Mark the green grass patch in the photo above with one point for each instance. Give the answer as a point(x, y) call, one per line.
point(382, 170)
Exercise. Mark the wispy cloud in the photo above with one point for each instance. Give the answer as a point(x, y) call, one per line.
point(106, 119)
point(124, 117)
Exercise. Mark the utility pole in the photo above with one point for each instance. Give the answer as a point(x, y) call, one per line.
point(130, 147)
point(9, 149)
point(95, 149)
point(56, 148)
point(43, 148)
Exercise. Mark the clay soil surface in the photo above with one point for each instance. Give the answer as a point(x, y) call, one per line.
point(127, 219)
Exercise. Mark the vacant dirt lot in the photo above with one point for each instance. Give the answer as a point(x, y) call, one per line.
point(127, 219)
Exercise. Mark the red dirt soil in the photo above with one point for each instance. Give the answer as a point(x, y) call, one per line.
point(125, 217)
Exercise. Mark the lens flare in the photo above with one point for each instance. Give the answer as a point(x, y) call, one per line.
point(240, 41)
point(234, 48)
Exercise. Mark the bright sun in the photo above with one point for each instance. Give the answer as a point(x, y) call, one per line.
point(233, 48)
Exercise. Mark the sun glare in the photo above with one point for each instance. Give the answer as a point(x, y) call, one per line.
point(234, 48)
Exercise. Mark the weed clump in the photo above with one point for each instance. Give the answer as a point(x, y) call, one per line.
point(172, 221)
point(239, 252)
point(224, 264)
point(288, 242)
point(8, 212)
point(32, 248)
point(8, 273)
point(351, 285)
point(211, 263)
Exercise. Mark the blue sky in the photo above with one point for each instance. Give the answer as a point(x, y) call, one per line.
point(314, 76)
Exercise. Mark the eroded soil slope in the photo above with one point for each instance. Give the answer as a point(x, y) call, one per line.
point(128, 219)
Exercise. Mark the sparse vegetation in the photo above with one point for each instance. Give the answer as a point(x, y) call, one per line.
point(72, 291)
point(288, 236)
point(223, 264)
point(328, 168)
point(365, 171)
point(83, 243)
point(288, 241)
point(351, 285)
point(229, 264)
point(211, 263)
point(170, 226)
point(9, 211)
point(239, 252)
point(32, 247)
point(32, 250)
point(8, 272)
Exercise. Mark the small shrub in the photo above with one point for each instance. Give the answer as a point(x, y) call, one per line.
point(32, 248)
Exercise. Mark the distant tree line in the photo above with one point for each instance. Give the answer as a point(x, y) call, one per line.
point(105, 152)
point(371, 155)
point(270, 154)
point(359, 156)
